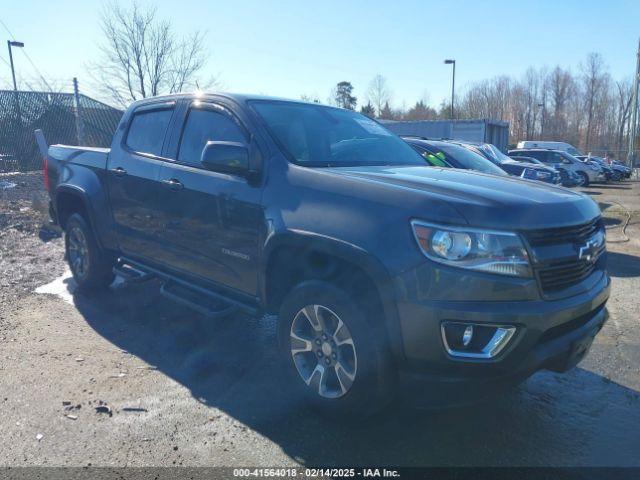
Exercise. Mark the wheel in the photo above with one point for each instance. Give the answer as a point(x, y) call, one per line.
point(585, 179)
point(91, 267)
point(333, 351)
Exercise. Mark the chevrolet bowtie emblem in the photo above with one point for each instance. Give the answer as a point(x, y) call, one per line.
point(589, 249)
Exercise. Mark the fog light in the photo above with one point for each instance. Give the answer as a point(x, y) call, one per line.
point(467, 335)
point(469, 340)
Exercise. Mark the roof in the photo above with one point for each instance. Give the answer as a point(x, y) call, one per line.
point(236, 97)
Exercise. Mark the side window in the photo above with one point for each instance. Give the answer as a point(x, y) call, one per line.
point(542, 156)
point(557, 158)
point(203, 126)
point(147, 130)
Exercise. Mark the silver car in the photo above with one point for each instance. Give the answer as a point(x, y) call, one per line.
point(587, 172)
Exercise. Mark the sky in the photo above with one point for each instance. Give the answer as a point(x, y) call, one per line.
point(291, 48)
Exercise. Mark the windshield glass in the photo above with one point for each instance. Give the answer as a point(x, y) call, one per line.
point(495, 152)
point(319, 136)
point(464, 158)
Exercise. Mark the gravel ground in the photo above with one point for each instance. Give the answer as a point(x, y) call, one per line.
point(30, 248)
point(127, 378)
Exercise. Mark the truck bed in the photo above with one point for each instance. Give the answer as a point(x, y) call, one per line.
point(93, 157)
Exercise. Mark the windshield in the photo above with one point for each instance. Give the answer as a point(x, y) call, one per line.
point(495, 152)
point(464, 158)
point(318, 136)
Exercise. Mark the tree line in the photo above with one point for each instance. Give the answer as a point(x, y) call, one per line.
point(142, 56)
point(586, 108)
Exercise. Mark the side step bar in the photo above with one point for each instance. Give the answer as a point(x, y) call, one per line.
point(130, 274)
point(205, 301)
point(208, 306)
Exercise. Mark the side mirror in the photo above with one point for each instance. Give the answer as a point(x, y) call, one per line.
point(226, 157)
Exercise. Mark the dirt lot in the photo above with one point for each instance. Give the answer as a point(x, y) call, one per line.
point(181, 390)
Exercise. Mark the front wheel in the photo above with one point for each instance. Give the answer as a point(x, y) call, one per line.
point(92, 268)
point(334, 352)
point(584, 179)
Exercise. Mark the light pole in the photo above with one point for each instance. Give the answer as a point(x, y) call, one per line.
point(11, 43)
point(450, 61)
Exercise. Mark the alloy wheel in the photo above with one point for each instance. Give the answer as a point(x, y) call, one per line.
point(78, 252)
point(323, 351)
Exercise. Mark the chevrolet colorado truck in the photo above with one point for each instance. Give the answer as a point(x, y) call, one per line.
point(379, 267)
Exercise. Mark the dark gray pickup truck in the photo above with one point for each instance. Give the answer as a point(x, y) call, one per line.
point(380, 268)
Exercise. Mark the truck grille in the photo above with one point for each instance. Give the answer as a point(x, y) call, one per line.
point(553, 236)
point(564, 275)
point(555, 276)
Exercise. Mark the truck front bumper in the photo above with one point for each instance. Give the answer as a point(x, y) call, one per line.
point(551, 335)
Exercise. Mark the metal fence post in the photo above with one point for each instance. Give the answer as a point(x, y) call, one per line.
point(78, 113)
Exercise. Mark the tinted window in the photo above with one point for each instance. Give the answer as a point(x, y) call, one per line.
point(465, 158)
point(435, 160)
point(542, 156)
point(147, 130)
point(318, 136)
point(203, 126)
point(557, 157)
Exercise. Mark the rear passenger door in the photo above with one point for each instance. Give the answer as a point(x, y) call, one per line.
point(133, 179)
point(211, 219)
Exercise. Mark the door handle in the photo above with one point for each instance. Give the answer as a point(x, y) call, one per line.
point(173, 184)
point(119, 171)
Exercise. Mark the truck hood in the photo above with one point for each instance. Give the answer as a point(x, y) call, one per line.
point(506, 203)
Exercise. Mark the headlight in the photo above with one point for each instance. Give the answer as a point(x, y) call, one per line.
point(502, 253)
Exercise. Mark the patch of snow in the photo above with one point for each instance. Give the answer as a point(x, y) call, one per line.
point(4, 185)
point(63, 287)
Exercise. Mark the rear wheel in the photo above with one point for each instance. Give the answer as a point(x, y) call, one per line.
point(91, 267)
point(334, 352)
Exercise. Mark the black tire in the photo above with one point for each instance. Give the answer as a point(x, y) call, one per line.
point(585, 179)
point(97, 265)
point(372, 386)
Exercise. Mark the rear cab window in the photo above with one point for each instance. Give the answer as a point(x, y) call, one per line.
point(147, 130)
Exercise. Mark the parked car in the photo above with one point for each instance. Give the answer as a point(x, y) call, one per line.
point(561, 146)
point(624, 169)
point(445, 154)
point(569, 178)
point(554, 158)
point(378, 267)
point(608, 171)
point(617, 167)
point(514, 167)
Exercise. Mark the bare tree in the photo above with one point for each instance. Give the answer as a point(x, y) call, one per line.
point(560, 85)
point(378, 93)
point(594, 78)
point(142, 56)
point(624, 98)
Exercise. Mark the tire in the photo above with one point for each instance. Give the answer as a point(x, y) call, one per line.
point(91, 267)
point(356, 378)
point(585, 179)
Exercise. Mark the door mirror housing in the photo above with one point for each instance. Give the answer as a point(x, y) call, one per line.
point(226, 157)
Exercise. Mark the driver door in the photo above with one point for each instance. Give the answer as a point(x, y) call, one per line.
point(211, 220)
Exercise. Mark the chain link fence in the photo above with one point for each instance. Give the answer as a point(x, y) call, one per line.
point(68, 118)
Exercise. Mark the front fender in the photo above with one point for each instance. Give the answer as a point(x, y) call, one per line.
point(365, 261)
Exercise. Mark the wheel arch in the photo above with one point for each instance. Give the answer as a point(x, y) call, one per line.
point(293, 257)
point(72, 199)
